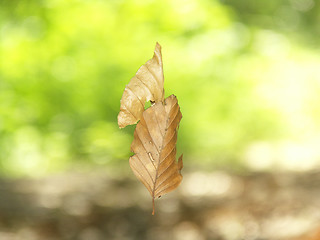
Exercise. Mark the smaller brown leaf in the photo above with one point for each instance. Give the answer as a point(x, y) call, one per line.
point(154, 145)
point(146, 85)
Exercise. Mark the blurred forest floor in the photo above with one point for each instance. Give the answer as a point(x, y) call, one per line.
point(218, 205)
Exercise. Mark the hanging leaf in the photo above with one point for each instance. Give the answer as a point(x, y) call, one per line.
point(155, 137)
point(154, 145)
point(146, 85)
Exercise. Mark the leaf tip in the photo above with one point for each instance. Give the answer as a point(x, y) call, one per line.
point(158, 45)
point(157, 53)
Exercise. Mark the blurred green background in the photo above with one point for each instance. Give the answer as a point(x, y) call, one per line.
point(246, 74)
point(247, 77)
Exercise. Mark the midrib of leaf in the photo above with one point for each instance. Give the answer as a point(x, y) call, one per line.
point(159, 161)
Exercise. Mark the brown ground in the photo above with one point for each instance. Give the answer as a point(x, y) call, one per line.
point(215, 205)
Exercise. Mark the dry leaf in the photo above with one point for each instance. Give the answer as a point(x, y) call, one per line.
point(146, 85)
point(154, 145)
point(155, 137)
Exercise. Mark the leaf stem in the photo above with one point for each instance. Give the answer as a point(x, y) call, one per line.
point(153, 206)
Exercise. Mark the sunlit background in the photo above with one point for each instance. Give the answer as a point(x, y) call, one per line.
point(247, 77)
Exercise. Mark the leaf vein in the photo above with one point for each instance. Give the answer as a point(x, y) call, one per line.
point(152, 74)
point(172, 174)
point(173, 162)
point(162, 160)
point(146, 87)
point(173, 119)
point(153, 142)
point(145, 150)
point(173, 185)
point(142, 177)
point(134, 94)
point(145, 168)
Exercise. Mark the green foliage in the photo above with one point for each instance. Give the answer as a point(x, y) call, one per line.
point(64, 65)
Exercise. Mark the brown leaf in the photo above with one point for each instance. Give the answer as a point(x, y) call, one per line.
point(154, 145)
point(146, 85)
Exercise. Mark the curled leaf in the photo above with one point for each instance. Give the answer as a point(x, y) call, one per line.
point(155, 136)
point(146, 85)
point(154, 145)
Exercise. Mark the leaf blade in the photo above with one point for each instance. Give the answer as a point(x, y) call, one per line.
point(158, 141)
point(146, 85)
